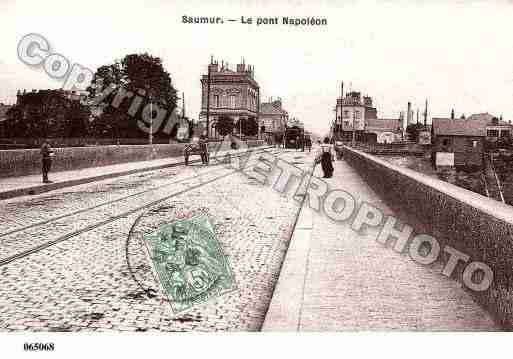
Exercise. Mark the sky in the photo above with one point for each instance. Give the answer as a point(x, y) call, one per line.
point(457, 54)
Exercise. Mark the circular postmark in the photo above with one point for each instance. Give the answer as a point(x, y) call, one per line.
point(177, 253)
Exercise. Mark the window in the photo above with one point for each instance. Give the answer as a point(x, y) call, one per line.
point(346, 123)
point(357, 114)
point(492, 133)
point(446, 142)
point(232, 101)
point(216, 100)
point(346, 114)
point(474, 144)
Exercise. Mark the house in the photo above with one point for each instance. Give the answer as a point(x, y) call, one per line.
point(229, 95)
point(383, 130)
point(457, 143)
point(273, 117)
point(495, 128)
point(352, 112)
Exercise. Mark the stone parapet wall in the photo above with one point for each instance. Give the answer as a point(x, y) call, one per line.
point(25, 162)
point(473, 224)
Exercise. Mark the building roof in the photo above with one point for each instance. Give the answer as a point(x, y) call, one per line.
point(487, 119)
point(271, 108)
point(481, 116)
point(391, 124)
point(458, 127)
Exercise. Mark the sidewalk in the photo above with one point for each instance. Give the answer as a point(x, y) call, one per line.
point(334, 279)
point(11, 187)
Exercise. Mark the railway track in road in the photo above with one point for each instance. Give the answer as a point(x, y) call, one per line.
point(22, 242)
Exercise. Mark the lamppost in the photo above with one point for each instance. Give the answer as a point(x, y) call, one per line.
point(151, 120)
point(353, 139)
point(208, 98)
point(150, 135)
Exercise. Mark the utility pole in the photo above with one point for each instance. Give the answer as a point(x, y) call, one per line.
point(425, 114)
point(183, 105)
point(151, 120)
point(258, 113)
point(341, 107)
point(150, 135)
point(354, 132)
point(208, 97)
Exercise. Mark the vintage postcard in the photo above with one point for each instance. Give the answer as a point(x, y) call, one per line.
point(281, 166)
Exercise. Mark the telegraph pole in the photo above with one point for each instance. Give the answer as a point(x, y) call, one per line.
point(208, 97)
point(151, 120)
point(354, 134)
point(341, 111)
point(425, 115)
point(183, 104)
point(150, 135)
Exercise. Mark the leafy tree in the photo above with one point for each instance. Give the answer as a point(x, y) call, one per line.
point(78, 120)
point(249, 126)
point(225, 125)
point(47, 113)
point(413, 130)
point(139, 74)
point(15, 125)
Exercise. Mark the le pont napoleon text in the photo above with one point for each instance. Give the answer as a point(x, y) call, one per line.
point(284, 20)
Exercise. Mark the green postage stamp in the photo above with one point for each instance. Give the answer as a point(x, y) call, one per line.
point(189, 262)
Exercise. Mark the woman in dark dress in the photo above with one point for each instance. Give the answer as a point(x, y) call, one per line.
point(326, 158)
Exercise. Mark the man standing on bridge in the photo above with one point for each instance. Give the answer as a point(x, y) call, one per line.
point(47, 154)
point(203, 145)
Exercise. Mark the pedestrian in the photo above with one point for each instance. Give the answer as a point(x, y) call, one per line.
point(203, 145)
point(46, 154)
point(297, 143)
point(325, 157)
point(309, 143)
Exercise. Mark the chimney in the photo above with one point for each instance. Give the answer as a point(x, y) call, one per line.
point(342, 90)
point(241, 67)
point(213, 66)
point(425, 114)
point(408, 118)
point(452, 114)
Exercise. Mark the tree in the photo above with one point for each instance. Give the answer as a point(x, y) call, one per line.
point(413, 130)
point(15, 126)
point(142, 75)
point(249, 126)
point(225, 125)
point(47, 113)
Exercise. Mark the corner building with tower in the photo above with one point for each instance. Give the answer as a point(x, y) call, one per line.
point(228, 94)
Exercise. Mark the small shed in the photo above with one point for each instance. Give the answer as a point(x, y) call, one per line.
point(457, 143)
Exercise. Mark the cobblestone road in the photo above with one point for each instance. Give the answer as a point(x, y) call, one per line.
point(82, 282)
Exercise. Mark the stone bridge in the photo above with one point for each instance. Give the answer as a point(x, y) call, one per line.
point(417, 253)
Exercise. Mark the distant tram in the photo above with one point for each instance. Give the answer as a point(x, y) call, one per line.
point(293, 135)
